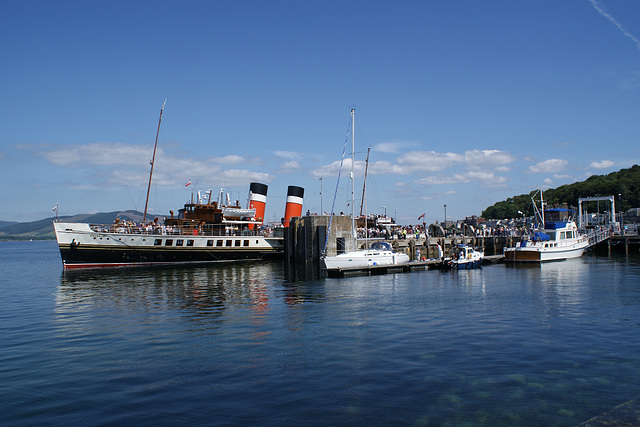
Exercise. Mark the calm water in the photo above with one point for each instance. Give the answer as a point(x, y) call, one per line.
point(243, 344)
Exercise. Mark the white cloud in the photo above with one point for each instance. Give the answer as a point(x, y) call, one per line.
point(431, 161)
point(548, 181)
point(377, 168)
point(332, 168)
point(123, 155)
point(487, 179)
point(561, 176)
point(98, 153)
point(481, 165)
point(116, 164)
point(241, 176)
point(481, 159)
point(440, 195)
point(227, 160)
point(392, 147)
point(425, 161)
point(549, 166)
point(604, 164)
point(287, 155)
point(442, 180)
point(290, 166)
point(381, 167)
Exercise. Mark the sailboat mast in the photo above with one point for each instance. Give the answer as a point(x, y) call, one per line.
point(542, 208)
point(153, 159)
point(353, 180)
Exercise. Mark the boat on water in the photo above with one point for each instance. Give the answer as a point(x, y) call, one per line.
point(379, 253)
point(204, 231)
point(466, 258)
point(557, 238)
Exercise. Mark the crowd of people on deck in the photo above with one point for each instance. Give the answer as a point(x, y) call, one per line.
point(130, 227)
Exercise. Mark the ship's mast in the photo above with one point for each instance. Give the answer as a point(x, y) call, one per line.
point(153, 159)
point(353, 179)
point(542, 208)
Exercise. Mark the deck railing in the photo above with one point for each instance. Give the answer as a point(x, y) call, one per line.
point(217, 231)
point(596, 236)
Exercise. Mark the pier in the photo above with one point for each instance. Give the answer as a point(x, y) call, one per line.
point(626, 244)
point(305, 239)
point(384, 269)
point(428, 264)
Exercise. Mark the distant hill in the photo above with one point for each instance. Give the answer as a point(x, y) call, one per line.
point(43, 229)
point(625, 182)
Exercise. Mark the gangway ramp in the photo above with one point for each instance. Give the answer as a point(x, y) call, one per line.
point(596, 236)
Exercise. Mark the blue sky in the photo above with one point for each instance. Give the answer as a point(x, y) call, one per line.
point(463, 103)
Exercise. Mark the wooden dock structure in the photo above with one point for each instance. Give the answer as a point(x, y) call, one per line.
point(305, 239)
point(628, 243)
point(371, 270)
point(407, 267)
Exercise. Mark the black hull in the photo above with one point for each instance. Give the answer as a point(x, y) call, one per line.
point(77, 257)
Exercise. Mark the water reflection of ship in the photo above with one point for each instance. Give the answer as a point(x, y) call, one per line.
point(557, 283)
point(303, 271)
point(206, 290)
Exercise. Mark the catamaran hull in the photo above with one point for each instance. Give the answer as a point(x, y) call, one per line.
point(82, 247)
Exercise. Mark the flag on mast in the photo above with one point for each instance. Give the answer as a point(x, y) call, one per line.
point(187, 184)
point(422, 216)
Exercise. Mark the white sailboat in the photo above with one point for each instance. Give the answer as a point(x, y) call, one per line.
point(379, 254)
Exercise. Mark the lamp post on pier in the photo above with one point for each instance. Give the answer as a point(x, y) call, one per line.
point(445, 216)
point(321, 211)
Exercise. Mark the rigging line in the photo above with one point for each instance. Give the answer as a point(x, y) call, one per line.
point(369, 177)
point(335, 194)
point(170, 180)
point(364, 183)
point(135, 206)
point(373, 185)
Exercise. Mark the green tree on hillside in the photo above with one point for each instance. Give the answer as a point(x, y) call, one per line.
point(625, 182)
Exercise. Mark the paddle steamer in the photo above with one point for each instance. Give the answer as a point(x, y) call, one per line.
point(203, 231)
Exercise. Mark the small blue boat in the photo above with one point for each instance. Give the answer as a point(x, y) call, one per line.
point(466, 258)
